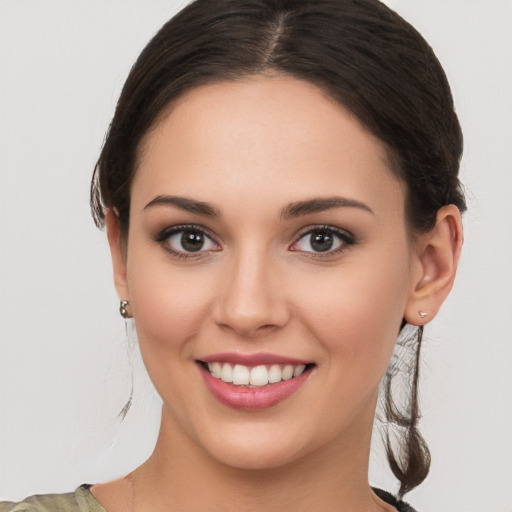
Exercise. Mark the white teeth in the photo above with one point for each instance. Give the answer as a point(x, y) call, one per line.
point(299, 370)
point(240, 375)
point(287, 373)
point(256, 376)
point(274, 374)
point(227, 373)
point(215, 369)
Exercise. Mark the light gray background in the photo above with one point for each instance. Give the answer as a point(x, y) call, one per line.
point(65, 361)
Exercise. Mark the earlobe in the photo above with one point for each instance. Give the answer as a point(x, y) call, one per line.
point(117, 253)
point(437, 258)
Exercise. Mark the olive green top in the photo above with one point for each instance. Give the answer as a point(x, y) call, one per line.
point(81, 500)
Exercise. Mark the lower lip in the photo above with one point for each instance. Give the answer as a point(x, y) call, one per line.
point(241, 397)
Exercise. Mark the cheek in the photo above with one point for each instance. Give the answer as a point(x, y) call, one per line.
point(170, 303)
point(170, 310)
point(356, 312)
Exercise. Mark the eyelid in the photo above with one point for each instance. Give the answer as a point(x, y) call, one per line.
point(345, 236)
point(170, 230)
point(167, 232)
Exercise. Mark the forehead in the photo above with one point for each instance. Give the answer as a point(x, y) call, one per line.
point(276, 138)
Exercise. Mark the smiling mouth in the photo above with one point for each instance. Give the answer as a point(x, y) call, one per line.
point(254, 376)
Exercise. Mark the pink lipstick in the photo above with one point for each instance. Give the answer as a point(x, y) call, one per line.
point(253, 381)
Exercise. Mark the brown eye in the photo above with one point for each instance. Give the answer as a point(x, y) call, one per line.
point(192, 241)
point(187, 240)
point(323, 240)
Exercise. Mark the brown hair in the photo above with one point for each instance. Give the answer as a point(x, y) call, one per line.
point(363, 55)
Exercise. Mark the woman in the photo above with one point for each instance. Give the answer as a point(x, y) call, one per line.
point(279, 188)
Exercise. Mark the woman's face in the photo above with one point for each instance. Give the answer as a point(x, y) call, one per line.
point(268, 233)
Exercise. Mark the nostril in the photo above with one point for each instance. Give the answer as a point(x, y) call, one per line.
point(248, 304)
point(248, 328)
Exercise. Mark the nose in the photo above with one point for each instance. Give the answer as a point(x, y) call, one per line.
point(252, 297)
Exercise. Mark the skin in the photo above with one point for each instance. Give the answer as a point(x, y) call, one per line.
point(251, 148)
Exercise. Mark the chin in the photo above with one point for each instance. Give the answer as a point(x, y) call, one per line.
point(259, 447)
point(256, 458)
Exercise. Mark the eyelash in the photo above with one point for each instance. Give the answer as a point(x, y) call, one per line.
point(165, 234)
point(345, 237)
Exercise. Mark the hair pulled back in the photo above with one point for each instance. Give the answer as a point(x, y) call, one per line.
point(364, 56)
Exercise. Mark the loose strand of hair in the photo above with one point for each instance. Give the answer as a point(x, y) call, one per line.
point(410, 459)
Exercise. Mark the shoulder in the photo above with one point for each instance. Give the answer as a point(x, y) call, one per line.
point(81, 500)
point(400, 505)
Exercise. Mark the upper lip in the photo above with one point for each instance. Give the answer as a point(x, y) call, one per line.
point(262, 358)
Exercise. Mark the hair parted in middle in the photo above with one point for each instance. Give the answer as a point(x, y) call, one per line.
point(359, 52)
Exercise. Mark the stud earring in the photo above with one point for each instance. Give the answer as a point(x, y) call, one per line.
point(122, 308)
point(422, 314)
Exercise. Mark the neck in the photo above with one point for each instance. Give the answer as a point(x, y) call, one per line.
point(180, 475)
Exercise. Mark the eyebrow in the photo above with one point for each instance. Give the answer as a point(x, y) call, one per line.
point(321, 204)
point(183, 203)
point(295, 209)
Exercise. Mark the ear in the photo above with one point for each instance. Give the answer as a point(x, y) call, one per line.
point(118, 254)
point(437, 257)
